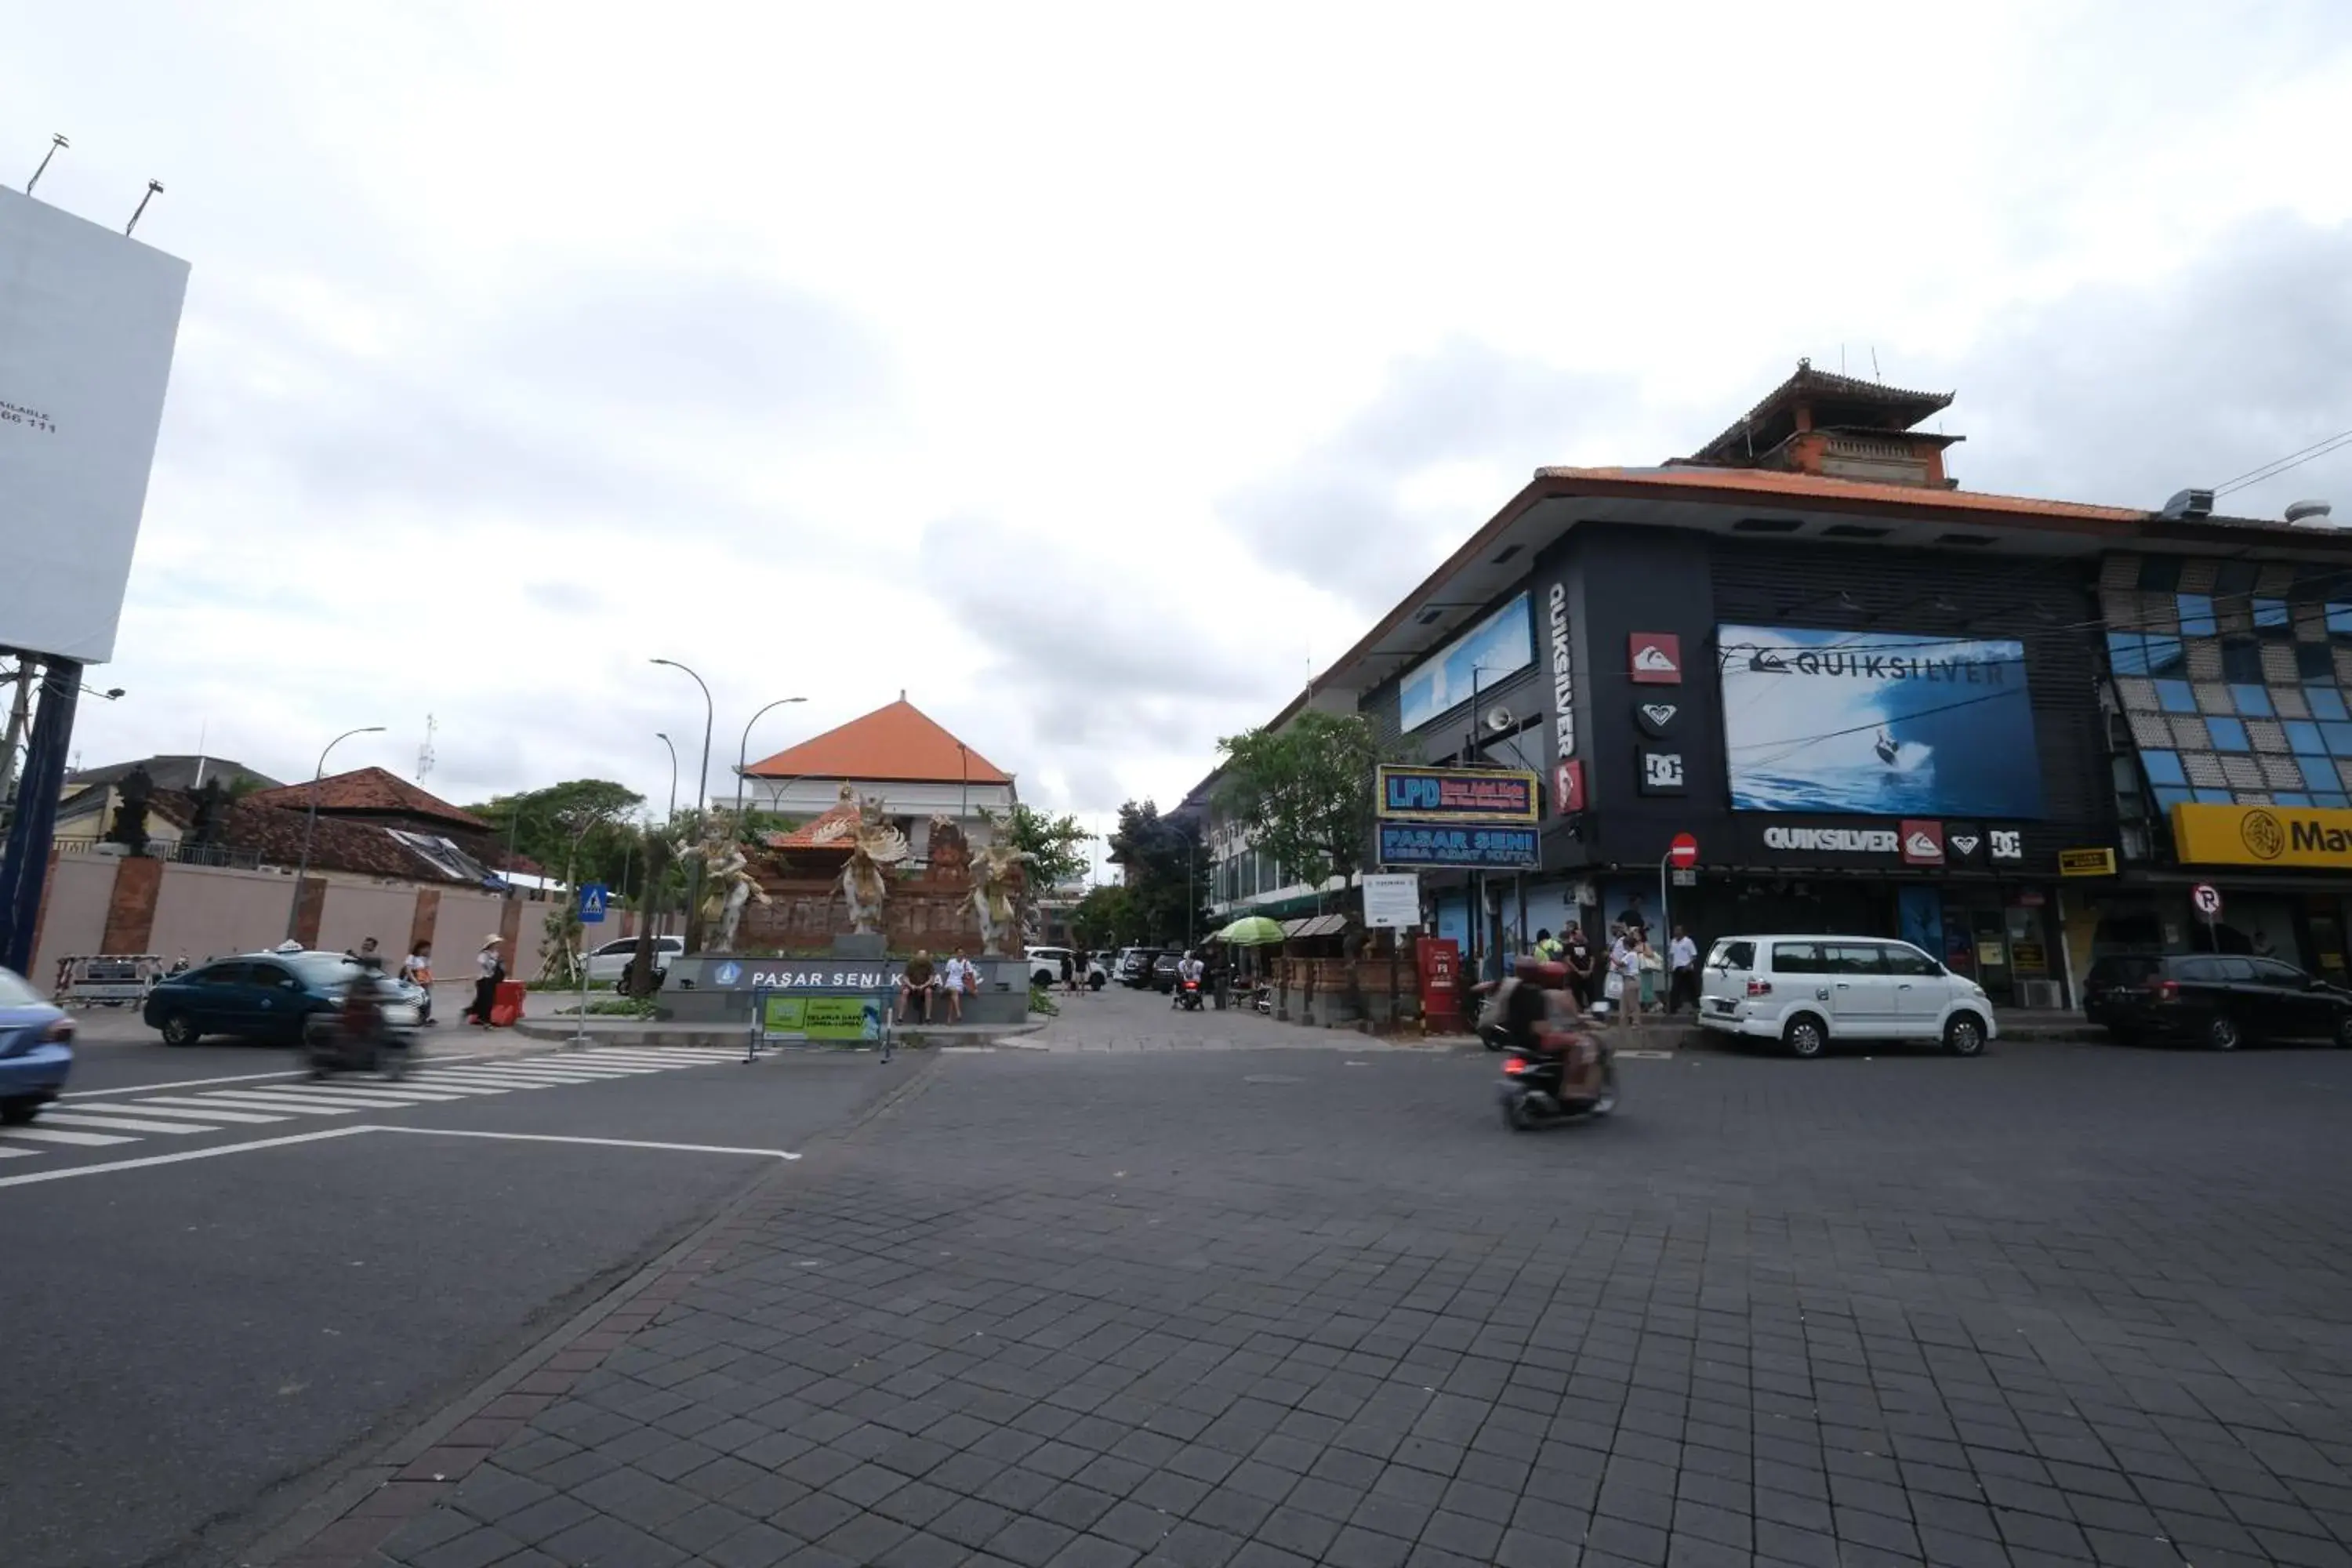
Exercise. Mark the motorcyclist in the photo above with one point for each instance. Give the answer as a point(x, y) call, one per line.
point(363, 1012)
point(1528, 1006)
point(1188, 968)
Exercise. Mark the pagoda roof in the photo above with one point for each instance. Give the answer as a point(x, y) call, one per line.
point(1842, 401)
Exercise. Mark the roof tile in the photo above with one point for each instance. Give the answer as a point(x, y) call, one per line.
point(899, 742)
point(369, 790)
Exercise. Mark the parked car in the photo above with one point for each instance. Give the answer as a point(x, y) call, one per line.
point(607, 961)
point(1808, 991)
point(36, 1049)
point(1163, 970)
point(1045, 966)
point(1134, 963)
point(2214, 999)
point(260, 997)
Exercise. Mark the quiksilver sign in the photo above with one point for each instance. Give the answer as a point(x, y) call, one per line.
point(1834, 841)
point(1563, 701)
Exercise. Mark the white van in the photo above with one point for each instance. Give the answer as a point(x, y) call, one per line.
point(1806, 991)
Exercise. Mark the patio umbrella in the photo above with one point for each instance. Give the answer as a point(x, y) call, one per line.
point(1256, 930)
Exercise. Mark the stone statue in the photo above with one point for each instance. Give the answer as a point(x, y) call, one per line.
point(950, 856)
point(999, 892)
point(130, 829)
point(876, 844)
point(728, 889)
point(212, 811)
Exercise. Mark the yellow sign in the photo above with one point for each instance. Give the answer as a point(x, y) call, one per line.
point(2086, 862)
point(2264, 835)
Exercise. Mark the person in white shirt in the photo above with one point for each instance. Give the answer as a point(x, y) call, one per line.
point(1188, 967)
point(1681, 960)
point(954, 976)
point(1625, 963)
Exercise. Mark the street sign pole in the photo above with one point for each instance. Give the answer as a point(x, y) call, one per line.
point(591, 897)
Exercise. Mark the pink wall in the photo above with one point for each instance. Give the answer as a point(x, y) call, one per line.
point(208, 912)
point(74, 921)
point(356, 911)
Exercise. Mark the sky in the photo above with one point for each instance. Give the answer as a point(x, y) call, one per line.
point(1091, 374)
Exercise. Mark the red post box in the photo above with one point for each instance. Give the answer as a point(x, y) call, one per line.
point(1439, 960)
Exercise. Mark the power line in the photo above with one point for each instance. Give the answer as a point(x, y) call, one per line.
point(1798, 742)
point(2277, 466)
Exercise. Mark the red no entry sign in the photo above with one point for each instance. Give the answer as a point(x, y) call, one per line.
point(1683, 853)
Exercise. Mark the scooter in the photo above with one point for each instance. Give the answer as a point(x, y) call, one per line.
point(1574, 1079)
point(1188, 996)
point(384, 1047)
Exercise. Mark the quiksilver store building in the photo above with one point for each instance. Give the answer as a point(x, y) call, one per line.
point(1881, 703)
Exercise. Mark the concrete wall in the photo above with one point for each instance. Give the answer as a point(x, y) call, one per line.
point(205, 911)
point(356, 911)
point(73, 917)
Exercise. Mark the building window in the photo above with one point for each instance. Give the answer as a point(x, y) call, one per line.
point(2229, 735)
point(2326, 703)
point(2176, 697)
point(2127, 653)
point(2235, 578)
point(2163, 767)
point(2164, 655)
point(2339, 618)
point(2197, 615)
point(2271, 615)
point(2242, 660)
point(2303, 738)
point(2337, 802)
point(2291, 798)
point(2168, 796)
point(2160, 573)
point(2314, 661)
point(2213, 798)
point(2252, 700)
point(2339, 739)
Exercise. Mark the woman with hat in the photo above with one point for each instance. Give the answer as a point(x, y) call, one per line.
point(487, 972)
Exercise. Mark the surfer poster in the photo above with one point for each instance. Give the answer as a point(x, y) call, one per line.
point(1883, 722)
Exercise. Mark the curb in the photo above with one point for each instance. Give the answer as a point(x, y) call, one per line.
point(345, 1525)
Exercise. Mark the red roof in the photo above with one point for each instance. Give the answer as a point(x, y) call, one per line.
point(900, 742)
point(371, 792)
point(835, 829)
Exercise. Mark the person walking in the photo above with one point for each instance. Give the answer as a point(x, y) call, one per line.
point(417, 970)
point(490, 968)
point(1069, 973)
point(1575, 956)
point(1682, 959)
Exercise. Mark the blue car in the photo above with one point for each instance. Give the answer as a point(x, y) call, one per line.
point(265, 998)
point(36, 1049)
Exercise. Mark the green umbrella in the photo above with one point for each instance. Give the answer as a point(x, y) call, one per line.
point(1256, 931)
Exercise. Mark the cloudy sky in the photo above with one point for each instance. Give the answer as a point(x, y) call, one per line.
point(1088, 377)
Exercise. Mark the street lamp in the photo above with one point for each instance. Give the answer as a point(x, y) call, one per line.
point(743, 752)
point(701, 788)
point(311, 824)
point(663, 736)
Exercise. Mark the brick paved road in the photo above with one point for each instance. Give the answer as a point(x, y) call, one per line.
point(2063, 1304)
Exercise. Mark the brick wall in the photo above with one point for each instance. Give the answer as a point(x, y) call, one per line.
point(130, 906)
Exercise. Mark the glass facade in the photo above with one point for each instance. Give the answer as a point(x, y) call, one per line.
point(2234, 678)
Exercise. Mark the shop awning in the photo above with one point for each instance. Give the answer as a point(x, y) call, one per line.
point(1316, 925)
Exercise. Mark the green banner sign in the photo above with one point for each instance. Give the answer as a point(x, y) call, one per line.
point(821, 1018)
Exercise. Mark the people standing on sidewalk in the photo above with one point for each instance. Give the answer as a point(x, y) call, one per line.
point(417, 970)
point(1683, 959)
point(1575, 956)
point(489, 970)
point(1624, 988)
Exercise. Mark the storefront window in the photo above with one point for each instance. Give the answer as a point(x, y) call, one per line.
point(2197, 615)
point(2252, 699)
point(2326, 701)
point(2229, 735)
point(2175, 697)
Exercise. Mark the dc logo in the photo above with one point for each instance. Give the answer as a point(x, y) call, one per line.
point(1663, 770)
point(727, 975)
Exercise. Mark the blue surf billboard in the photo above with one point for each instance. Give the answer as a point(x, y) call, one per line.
point(1884, 723)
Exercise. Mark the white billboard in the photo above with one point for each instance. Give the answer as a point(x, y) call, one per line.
point(87, 320)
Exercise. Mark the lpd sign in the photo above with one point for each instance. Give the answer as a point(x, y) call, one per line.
point(1457, 794)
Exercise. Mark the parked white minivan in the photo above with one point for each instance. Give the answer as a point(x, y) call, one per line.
point(1807, 991)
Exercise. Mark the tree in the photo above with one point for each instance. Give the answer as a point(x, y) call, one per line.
point(1304, 793)
point(1167, 873)
point(579, 823)
point(1055, 845)
point(1107, 916)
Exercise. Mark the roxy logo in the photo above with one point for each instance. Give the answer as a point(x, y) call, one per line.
point(1966, 843)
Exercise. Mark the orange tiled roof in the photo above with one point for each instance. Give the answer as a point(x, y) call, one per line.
point(835, 829)
point(1802, 487)
point(370, 790)
point(897, 743)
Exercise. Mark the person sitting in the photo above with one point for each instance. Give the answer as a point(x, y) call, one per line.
point(954, 976)
point(1188, 967)
point(917, 980)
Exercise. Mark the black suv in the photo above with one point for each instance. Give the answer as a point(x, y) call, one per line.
point(2217, 999)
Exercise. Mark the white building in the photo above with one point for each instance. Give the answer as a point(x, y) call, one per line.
point(898, 753)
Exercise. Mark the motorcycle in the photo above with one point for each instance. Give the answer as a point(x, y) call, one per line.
point(1574, 1080)
point(382, 1044)
point(1188, 996)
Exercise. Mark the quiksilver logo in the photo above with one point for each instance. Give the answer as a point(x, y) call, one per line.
point(1563, 677)
point(1837, 840)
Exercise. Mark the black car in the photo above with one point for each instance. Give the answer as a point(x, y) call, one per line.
point(1163, 971)
point(2218, 1000)
point(1138, 971)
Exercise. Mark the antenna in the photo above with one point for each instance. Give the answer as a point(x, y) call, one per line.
point(1874, 366)
point(57, 140)
point(424, 752)
point(154, 189)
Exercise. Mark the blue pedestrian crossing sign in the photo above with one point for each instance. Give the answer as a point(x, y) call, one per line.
point(592, 899)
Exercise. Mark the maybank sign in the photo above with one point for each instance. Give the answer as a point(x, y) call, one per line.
point(2262, 836)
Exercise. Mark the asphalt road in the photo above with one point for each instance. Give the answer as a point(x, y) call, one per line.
point(193, 1346)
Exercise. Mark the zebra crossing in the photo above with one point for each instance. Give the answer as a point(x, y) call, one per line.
point(135, 1116)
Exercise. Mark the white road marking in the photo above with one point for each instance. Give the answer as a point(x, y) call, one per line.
point(291, 1097)
point(72, 1170)
point(441, 1084)
point(605, 1142)
point(117, 1123)
point(171, 1108)
point(43, 1135)
point(9, 1154)
point(236, 1077)
point(372, 1094)
point(261, 1102)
